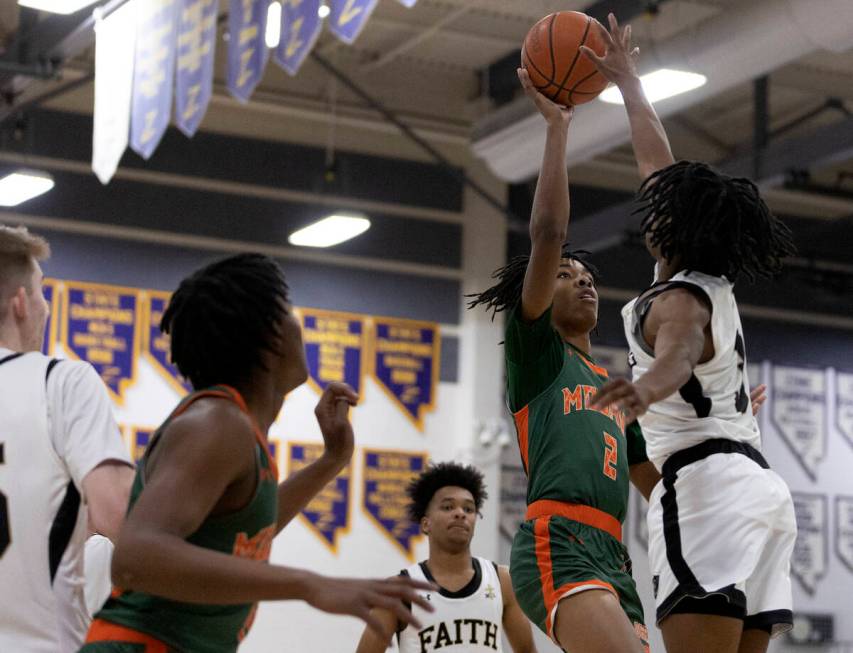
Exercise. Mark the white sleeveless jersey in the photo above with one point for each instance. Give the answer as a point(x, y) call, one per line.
point(53, 431)
point(467, 621)
point(714, 403)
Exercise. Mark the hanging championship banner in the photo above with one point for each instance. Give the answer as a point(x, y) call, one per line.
point(300, 27)
point(513, 505)
point(405, 364)
point(334, 346)
point(798, 413)
point(194, 73)
point(348, 18)
point(844, 405)
point(247, 49)
point(51, 296)
point(808, 562)
point(139, 439)
point(386, 475)
point(844, 530)
point(153, 73)
point(115, 46)
point(155, 343)
point(327, 515)
point(100, 325)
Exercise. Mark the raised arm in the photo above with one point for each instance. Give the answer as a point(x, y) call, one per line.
point(618, 65)
point(549, 219)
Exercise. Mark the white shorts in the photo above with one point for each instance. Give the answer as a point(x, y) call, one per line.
point(722, 529)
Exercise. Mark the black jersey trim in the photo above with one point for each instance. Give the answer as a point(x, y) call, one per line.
point(769, 621)
point(400, 625)
point(53, 363)
point(11, 357)
point(644, 304)
point(62, 528)
point(469, 589)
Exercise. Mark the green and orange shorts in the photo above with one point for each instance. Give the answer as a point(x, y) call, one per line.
point(107, 637)
point(563, 549)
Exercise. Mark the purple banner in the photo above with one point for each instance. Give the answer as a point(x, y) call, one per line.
point(300, 27)
point(194, 74)
point(386, 476)
point(100, 325)
point(348, 18)
point(406, 364)
point(247, 49)
point(139, 439)
point(155, 343)
point(328, 513)
point(334, 343)
point(153, 72)
point(50, 295)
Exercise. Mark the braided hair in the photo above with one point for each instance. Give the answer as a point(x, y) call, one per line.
point(712, 223)
point(223, 317)
point(506, 293)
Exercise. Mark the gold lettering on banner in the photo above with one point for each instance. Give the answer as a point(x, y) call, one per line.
point(294, 43)
point(349, 12)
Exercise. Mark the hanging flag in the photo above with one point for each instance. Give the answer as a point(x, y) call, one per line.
point(155, 344)
point(348, 18)
point(335, 346)
point(247, 50)
point(194, 73)
point(153, 74)
point(115, 40)
point(300, 27)
point(50, 292)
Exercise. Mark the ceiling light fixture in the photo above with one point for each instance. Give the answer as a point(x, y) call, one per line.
point(273, 33)
point(323, 10)
point(23, 185)
point(331, 230)
point(659, 85)
point(56, 6)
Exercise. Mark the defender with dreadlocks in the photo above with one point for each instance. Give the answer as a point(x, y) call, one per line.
point(191, 558)
point(721, 524)
point(474, 604)
point(570, 570)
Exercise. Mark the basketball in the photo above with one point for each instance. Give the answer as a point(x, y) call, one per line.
point(556, 66)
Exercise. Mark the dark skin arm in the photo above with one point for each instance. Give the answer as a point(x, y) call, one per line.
point(375, 640)
point(515, 622)
point(206, 457)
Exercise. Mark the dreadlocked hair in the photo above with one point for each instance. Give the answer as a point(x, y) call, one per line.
point(506, 293)
point(423, 488)
point(223, 317)
point(712, 223)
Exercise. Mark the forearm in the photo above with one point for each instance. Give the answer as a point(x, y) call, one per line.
point(550, 215)
point(302, 486)
point(168, 566)
point(651, 145)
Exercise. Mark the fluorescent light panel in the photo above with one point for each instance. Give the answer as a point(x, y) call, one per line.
point(23, 185)
point(273, 34)
point(329, 231)
point(56, 6)
point(659, 85)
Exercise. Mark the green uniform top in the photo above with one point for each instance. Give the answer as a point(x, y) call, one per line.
point(570, 451)
point(247, 533)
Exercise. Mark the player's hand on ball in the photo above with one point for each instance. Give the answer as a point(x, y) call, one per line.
point(757, 397)
point(332, 414)
point(357, 597)
point(554, 114)
point(633, 399)
point(619, 63)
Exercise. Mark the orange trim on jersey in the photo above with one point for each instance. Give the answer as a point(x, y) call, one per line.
point(521, 426)
point(576, 512)
point(105, 631)
point(551, 596)
point(234, 395)
point(595, 368)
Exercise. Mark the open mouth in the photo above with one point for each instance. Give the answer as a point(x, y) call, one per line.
point(588, 296)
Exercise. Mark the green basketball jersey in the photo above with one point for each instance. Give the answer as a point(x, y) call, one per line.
point(571, 452)
point(247, 533)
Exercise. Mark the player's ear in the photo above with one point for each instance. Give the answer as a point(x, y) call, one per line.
point(425, 525)
point(18, 303)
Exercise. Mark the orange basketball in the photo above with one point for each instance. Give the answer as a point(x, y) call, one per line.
point(557, 68)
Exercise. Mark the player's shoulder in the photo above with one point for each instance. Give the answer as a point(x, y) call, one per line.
point(211, 418)
point(72, 375)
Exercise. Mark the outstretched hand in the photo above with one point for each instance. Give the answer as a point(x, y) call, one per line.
point(554, 114)
point(332, 414)
point(757, 397)
point(619, 63)
point(633, 399)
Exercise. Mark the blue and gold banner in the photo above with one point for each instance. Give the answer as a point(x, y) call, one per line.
point(194, 75)
point(405, 363)
point(328, 513)
point(153, 73)
point(100, 325)
point(139, 439)
point(300, 26)
point(274, 447)
point(51, 296)
point(386, 475)
point(155, 343)
point(334, 346)
point(348, 18)
point(247, 49)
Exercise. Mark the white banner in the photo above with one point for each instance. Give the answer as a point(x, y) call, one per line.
point(115, 42)
point(798, 413)
point(808, 563)
point(844, 405)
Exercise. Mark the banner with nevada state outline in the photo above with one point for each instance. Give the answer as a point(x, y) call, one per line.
point(51, 296)
point(140, 438)
point(385, 476)
point(798, 412)
point(809, 560)
point(155, 343)
point(334, 347)
point(844, 405)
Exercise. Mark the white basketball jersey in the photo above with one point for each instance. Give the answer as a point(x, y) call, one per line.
point(42, 518)
point(467, 621)
point(714, 403)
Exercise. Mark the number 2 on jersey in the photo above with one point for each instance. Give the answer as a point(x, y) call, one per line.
point(610, 456)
